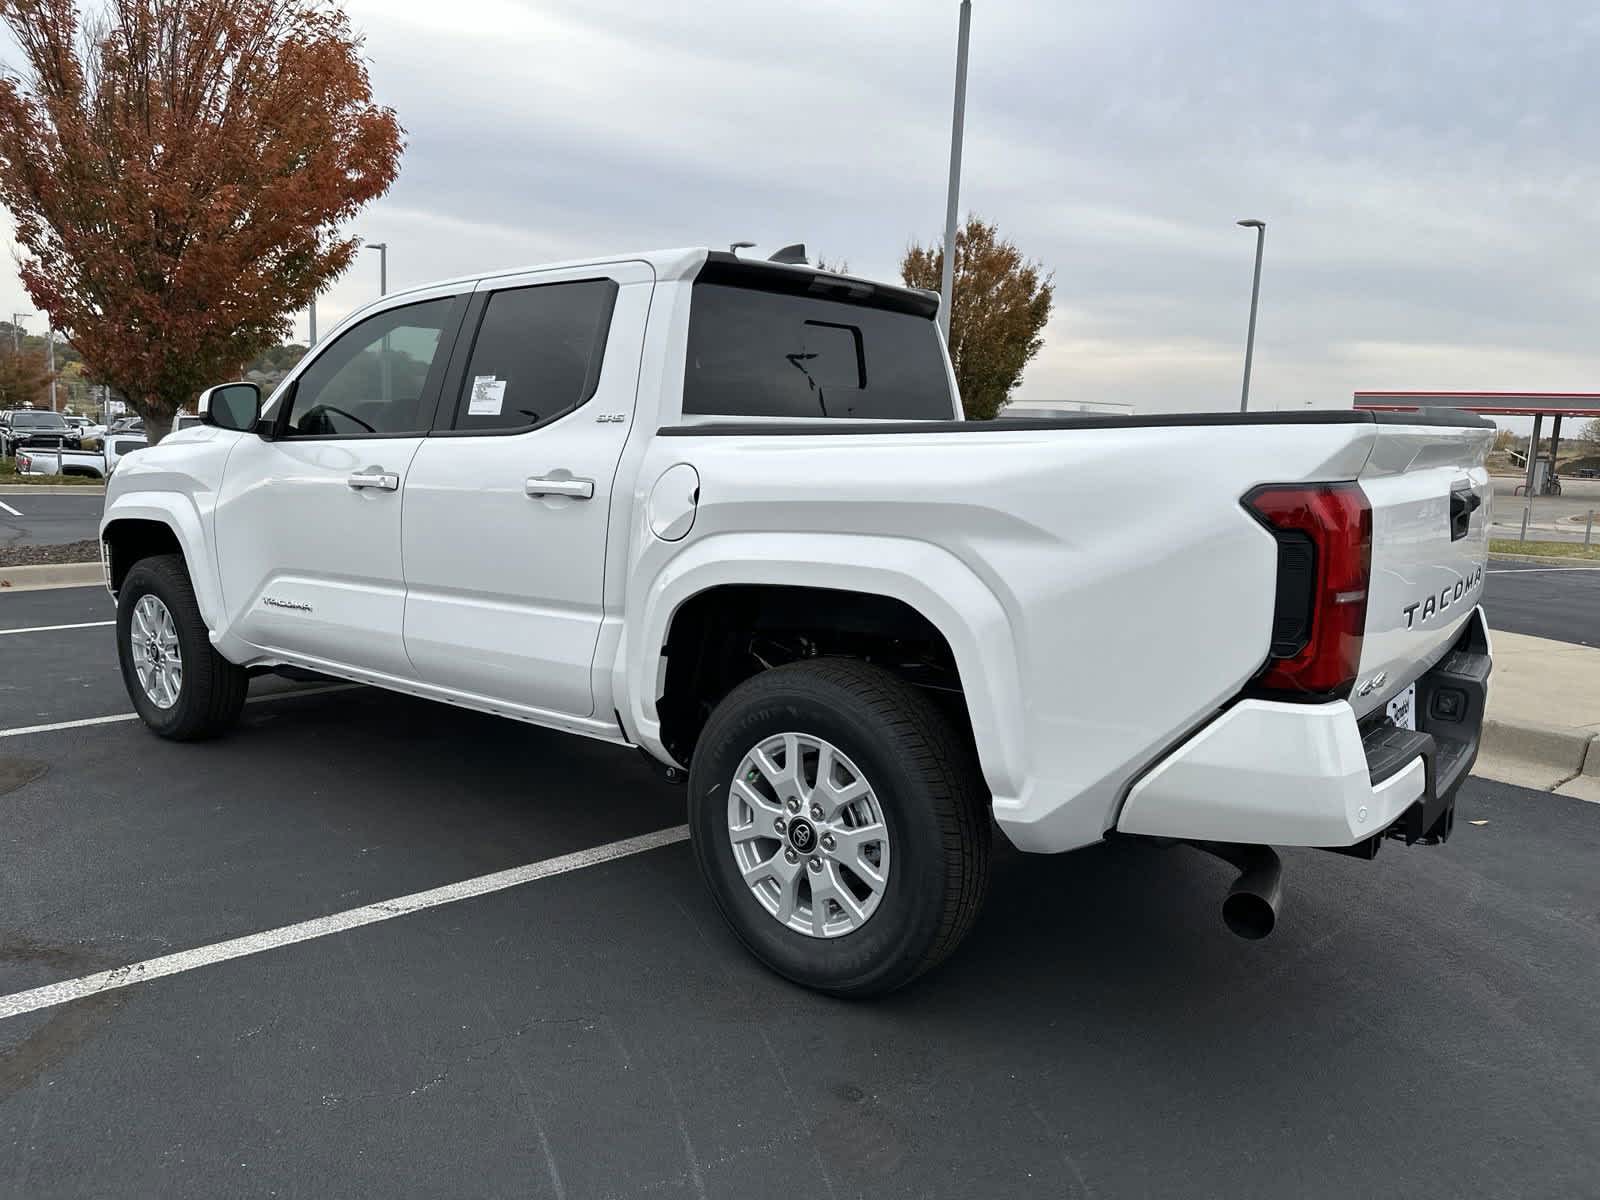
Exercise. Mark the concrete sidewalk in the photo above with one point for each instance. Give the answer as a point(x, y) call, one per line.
point(1543, 727)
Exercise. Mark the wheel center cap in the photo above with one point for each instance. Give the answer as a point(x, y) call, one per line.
point(802, 835)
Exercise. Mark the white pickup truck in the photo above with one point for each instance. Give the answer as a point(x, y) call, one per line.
point(727, 511)
point(90, 464)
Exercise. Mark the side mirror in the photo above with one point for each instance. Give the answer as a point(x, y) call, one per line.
point(231, 406)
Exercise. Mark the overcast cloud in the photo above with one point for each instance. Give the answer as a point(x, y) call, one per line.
point(1427, 169)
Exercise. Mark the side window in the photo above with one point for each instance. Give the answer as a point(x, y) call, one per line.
point(755, 353)
point(536, 356)
point(372, 380)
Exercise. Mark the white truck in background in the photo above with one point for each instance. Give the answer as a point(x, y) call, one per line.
point(728, 512)
point(91, 464)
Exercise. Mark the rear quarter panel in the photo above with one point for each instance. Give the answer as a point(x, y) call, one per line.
point(1136, 593)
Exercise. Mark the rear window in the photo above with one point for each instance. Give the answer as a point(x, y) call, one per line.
point(537, 355)
point(755, 353)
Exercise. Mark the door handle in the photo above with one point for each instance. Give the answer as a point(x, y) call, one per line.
point(576, 489)
point(385, 481)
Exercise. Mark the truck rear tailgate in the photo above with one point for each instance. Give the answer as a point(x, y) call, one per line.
point(1430, 497)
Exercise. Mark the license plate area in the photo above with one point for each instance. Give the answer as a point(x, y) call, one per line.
point(1402, 709)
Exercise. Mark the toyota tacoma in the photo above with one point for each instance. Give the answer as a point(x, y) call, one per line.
point(728, 512)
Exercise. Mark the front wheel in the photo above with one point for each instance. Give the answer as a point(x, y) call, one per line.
point(841, 824)
point(180, 686)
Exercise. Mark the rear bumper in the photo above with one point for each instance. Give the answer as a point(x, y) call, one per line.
point(1272, 773)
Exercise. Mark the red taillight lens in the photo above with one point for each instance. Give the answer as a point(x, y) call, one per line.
point(1324, 534)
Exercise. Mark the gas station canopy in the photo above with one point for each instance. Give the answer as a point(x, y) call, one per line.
point(1512, 404)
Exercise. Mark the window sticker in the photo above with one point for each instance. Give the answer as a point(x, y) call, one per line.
point(488, 396)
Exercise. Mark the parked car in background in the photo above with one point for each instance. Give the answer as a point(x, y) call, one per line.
point(87, 429)
point(35, 427)
point(93, 464)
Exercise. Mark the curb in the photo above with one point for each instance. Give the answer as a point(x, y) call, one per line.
point(52, 489)
point(1566, 561)
point(1537, 756)
point(51, 575)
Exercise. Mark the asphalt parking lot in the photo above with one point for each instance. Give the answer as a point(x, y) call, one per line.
point(42, 519)
point(1544, 600)
point(1420, 1025)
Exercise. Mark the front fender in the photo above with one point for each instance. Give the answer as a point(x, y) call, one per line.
point(931, 580)
point(179, 513)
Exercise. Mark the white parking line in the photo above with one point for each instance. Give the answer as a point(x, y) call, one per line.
point(1543, 570)
point(114, 719)
point(368, 914)
point(53, 628)
point(9, 509)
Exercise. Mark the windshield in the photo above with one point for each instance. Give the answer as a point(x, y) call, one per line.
point(38, 420)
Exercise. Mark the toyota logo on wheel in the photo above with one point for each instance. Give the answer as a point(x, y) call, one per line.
point(802, 836)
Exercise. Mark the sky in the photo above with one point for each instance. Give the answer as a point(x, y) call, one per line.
point(1426, 170)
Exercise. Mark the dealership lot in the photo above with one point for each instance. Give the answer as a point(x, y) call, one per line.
point(33, 517)
point(1544, 600)
point(599, 1032)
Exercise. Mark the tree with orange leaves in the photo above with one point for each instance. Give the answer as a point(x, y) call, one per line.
point(1002, 304)
point(25, 378)
point(178, 171)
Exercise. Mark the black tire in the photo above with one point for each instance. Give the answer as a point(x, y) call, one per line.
point(927, 783)
point(213, 689)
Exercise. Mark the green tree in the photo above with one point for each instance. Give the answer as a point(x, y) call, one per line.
point(1002, 303)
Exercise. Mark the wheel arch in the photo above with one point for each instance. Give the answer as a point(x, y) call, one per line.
point(942, 595)
point(145, 524)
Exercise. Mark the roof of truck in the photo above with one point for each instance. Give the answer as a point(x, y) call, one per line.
point(687, 262)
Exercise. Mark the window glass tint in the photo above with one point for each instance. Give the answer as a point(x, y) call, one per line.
point(764, 354)
point(537, 355)
point(38, 420)
point(372, 379)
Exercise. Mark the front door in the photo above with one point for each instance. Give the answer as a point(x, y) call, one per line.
point(508, 505)
point(308, 520)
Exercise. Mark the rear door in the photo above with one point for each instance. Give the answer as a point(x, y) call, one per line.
point(308, 522)
point(507, 505)
point(1430, 497)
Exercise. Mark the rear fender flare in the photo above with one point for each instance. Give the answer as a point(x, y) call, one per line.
point(929, 579)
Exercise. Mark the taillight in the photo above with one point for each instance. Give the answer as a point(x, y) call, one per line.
point(1324, 535)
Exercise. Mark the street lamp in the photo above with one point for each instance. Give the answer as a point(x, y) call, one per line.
point(1255, 298)
point(383, 266)
point(958, 121)
point(735, 247)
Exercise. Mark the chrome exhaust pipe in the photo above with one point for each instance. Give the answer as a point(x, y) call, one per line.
point(1250, 908)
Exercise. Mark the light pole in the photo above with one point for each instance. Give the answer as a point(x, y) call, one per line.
point(1255, 298)
point(952, 200)
point(313, 314)
point(383, 266)
point(16, 326)
point(50, 350)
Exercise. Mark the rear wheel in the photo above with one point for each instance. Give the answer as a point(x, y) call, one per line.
point(841, 824)
point(181, 687)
